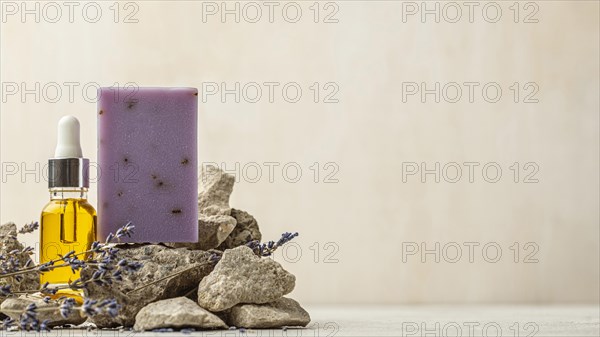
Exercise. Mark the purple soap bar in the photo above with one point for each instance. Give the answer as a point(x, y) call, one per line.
point(148, 163)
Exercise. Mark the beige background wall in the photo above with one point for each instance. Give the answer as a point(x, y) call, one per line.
point(362, 223)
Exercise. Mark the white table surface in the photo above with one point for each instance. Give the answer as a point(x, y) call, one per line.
point(452, 320)
point(447, 320)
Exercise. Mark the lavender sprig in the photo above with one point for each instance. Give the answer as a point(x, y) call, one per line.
point(5, 290)
point(29, 228)
point(11, 262)
point(101, 256)
point(107, 272)
point(90, 307)
point(8, 322)
point(66, 307)
point(29, 319)
point(267, 249)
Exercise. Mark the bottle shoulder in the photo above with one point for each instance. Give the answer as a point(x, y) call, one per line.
point(63, 205)
point(51, 206)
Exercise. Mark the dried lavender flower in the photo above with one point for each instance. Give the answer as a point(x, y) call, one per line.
point(29, 320)
point(267, 249)
point(214, 258)
point(29, 228)
point(8, 323)
point(89, 307)
point(102, 257)
point(27, 250)
point(111, 307)
point(47, 291)
point(126, 230)
point(66, 307)
point(104, 261)
point(44, 325)
point(5, 290)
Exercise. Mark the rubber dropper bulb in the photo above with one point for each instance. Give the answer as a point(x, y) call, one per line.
point(68, 145)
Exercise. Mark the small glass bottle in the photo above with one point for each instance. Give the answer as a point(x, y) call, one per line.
point(68, 221)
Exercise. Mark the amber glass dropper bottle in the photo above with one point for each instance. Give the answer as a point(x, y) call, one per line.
point(68, 221)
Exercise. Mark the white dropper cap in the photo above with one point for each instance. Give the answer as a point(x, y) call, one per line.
point(68, 145)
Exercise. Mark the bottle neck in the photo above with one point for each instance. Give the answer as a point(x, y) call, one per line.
point(62, 193)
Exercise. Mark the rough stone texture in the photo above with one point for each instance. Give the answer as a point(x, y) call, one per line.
point(180, 312)
point(283, 312)
point(8, 242)
point(14, 307)
point(243, 277)
point(215, 188)
point(245, 231)
point(212, 230)
point(159, 261)
point(214, 220)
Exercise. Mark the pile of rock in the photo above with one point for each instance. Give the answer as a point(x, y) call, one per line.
point(9, 243)
point(241, 290)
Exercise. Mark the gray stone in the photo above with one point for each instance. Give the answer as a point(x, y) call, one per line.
point(180, 312)
point(245, 230)
point(159, 262)
point(242, 277)
point(215, 188)
point(212, 230)
point(8, 243)
point(14, 307)
point(283, 312)
point(214, 220)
